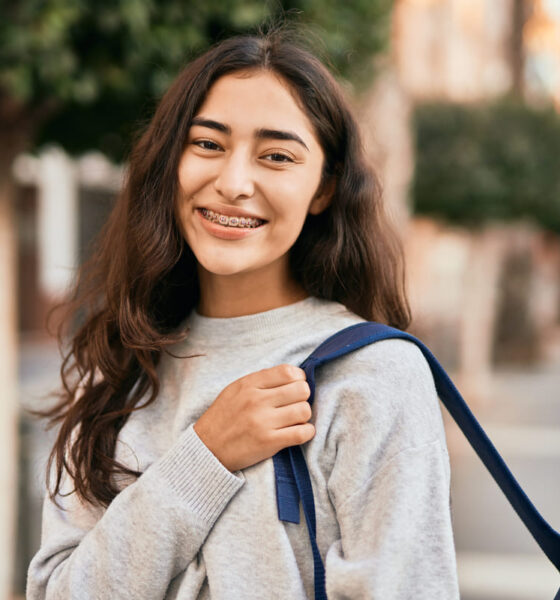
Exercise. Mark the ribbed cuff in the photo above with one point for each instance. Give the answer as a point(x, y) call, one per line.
point(198, 477)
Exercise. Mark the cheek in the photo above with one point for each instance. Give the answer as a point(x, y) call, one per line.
point(296, 204)
point(185, 185)
point(191, 176)
point(293, 195)
point(290, 217)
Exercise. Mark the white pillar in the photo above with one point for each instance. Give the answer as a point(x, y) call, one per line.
point(58, 222)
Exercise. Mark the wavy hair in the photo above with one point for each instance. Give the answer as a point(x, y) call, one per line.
point(141, 282)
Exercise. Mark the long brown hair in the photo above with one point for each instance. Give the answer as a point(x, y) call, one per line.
point(141, 282)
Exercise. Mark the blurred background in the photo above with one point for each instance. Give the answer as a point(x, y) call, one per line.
point(460, 106)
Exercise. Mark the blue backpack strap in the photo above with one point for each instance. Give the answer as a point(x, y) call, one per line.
point(292, 477)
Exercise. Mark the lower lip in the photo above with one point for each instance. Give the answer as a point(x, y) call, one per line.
point(226, 233)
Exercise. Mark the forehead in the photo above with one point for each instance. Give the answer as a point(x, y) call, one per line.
point(256, 99)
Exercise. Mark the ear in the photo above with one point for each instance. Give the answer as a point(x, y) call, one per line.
point(323, 197)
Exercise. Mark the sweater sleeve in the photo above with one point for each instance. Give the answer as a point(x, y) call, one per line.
point(149, 533)
point(390, 482)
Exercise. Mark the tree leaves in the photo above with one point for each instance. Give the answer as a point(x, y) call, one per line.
point(83, 57)
point(482, 162)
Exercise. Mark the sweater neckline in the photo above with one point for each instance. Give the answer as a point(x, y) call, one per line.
point(258, 327)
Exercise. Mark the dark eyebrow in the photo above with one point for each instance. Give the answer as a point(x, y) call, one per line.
point(275, 134)
point(260, 134)
point(211, 124)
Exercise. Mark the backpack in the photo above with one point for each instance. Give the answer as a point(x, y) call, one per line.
point(292, 477)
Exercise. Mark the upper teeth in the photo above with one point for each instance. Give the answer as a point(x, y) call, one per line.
point(227, 221)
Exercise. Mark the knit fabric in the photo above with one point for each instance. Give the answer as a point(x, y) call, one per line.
point(190, 529)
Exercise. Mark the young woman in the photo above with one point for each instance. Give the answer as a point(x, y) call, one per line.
point(249, 230)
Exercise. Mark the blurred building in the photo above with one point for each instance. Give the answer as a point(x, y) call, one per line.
point(466, 51)
point(62, 204)
point(454, 49)
point(475, 49)
point(541, 40)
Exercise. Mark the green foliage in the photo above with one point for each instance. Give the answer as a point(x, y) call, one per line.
point(477, 163)
point(103, 65)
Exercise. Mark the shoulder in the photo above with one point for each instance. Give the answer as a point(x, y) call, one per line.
point(384, 393)
point(391, 366)
point(393, 352)
point(394, 366)
point(377, 414)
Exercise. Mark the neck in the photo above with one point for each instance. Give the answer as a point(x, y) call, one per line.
point(237, 295)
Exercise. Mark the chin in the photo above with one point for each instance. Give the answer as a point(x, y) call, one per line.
point(223, 268)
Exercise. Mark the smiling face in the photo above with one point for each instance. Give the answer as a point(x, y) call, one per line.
point(248, 176)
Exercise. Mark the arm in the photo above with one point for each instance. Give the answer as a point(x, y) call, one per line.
point(150, 532)
point(390, 483)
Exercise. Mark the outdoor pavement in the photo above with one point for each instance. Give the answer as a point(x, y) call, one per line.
point(497, 557)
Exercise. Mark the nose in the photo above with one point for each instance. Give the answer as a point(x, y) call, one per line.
point(235, 177)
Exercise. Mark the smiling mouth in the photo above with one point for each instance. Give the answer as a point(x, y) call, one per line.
point(227, 221)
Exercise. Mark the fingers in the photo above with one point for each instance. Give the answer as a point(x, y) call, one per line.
point(297, 413)
point(294, 435)
point(257, 415)
point(296, 391)
point(277, 376)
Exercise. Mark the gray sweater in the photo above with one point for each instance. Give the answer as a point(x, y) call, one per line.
point(190, 529)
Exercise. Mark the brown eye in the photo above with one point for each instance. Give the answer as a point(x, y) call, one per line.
point(278, 157)
point(207, 145)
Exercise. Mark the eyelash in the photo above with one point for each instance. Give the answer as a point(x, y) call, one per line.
point(205, 143)
point(283, 156)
